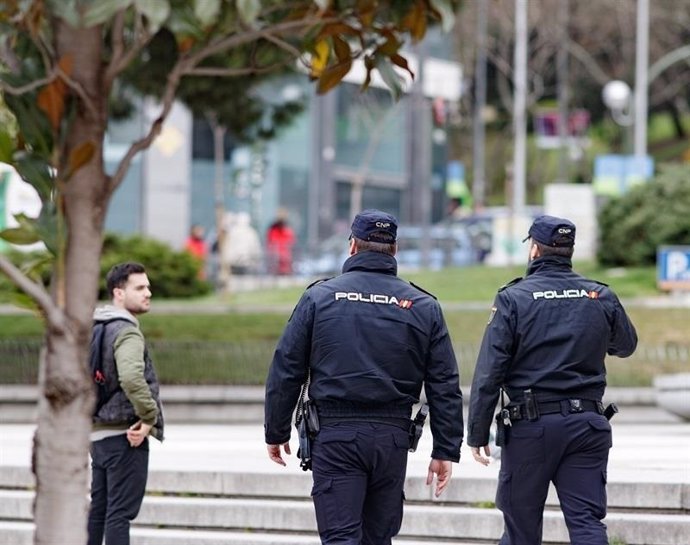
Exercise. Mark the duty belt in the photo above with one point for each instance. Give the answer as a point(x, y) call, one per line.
point(564, 406)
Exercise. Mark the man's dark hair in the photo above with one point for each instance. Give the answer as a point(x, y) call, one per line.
point(562, 251)
point(117, 276)
point(371, 246)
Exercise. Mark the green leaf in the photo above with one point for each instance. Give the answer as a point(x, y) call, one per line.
point(33, 125)
point(248, 10)
point(47, 228)
point(20, 235)
point(103, 10)
point(33, 267)
point(206, 11)
point(156, 11)
point(445, 10)
point(6, 146)
point(36, 173)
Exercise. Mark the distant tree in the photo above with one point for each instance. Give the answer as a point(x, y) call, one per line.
point(60, 62)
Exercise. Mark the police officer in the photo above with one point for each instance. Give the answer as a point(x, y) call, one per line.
point(545, 344)
point(368, 341)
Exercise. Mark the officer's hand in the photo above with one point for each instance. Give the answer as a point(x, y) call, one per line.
point(274, 453)
point(443, 469)
point(137, 433)
point(476, 454)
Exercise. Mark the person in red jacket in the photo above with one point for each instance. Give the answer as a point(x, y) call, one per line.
point(196, 246)
point(280, 238)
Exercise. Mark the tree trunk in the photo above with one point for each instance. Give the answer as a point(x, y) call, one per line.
point(61, 445)
point(677, 119)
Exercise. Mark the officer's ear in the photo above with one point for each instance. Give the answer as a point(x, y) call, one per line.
point(353, 246)
point(534, 252)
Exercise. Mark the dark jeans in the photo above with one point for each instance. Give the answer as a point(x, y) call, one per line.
point(359, 473)
point(572, 452)
point(118, 483)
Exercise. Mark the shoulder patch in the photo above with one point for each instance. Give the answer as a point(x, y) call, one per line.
point(317, 282)
point(511, 283)
point(422, 289)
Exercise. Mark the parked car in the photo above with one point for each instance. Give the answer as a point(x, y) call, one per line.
point(448, 246)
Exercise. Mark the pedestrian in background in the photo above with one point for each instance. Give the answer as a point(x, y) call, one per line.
point(196, 246)
point(368, 341)
point(280, 240)
point(544, 346)
point(132, 412)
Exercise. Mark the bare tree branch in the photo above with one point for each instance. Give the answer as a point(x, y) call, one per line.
point(232, 72)
point(8, 57)
point(282, 44)
point(37, 292)
point(122, 59)
point(29, 86)
point(235, 40)
point(185, 66)
point(143, 143)
point(579, 52)
point(77, 88)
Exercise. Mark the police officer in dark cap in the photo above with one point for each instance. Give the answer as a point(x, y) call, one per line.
point(368, 341)
point(543, 355)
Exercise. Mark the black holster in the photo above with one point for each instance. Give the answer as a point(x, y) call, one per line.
point(417, 426)
point(307, 428)
point(501, 436)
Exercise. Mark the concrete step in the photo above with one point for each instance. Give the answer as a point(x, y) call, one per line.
point(467, 490)
point(21, 533)
point(431, 521)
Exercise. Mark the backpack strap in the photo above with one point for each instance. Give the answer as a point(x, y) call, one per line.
point(96, 363)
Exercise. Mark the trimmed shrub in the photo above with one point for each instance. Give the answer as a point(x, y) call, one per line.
point(173, 274)
point(650, 215)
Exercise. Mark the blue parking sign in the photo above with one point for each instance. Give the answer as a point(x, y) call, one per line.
point(673, 268)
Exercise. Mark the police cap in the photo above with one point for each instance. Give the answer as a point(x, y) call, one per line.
point(375, 226)
point(553, 231)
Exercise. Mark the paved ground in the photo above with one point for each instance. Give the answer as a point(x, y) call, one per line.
point(649, 446)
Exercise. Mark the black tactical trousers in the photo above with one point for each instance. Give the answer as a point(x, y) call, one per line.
point(118, 483)
point(572, 452)
point(359, 473)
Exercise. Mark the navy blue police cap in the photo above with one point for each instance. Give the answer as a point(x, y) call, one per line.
point(552, 231)
point(375, 226)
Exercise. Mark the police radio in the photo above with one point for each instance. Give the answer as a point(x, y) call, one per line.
point(417, 426)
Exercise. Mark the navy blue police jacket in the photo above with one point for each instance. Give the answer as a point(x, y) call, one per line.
point(550, 333)
point(370, 341)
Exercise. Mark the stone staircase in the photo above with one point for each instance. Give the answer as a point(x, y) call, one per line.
point(253, 508)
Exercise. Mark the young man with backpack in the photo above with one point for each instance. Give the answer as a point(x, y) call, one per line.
point(128, 409)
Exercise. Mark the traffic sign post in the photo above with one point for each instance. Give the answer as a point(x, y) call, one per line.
point(673, 268)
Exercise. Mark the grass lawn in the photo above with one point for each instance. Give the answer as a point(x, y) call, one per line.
point(475, 284)
point(235, 347)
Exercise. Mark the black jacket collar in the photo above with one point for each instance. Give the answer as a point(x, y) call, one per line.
point(371, 262)
point(549, 263)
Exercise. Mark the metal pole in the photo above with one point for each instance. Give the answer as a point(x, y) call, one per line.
point(562, 69)
point(641, 78)
point(519, 107)
point(479, 181)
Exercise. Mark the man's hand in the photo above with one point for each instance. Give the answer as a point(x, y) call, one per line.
point(443, 469)
point(274, 453)
point(137, 433)
point(476, 454)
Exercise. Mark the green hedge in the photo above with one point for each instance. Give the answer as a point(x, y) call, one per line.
point(173, 274)
point(650, 215)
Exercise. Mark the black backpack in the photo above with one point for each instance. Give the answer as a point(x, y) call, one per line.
point(96, 363)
